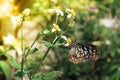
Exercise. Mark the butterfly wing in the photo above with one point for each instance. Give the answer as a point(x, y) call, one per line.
point(75, 55)
point(79, 53)
point(93, 53)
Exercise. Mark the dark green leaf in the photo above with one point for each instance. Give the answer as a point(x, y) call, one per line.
point(47, 76)
point(33, 50)
point(18, 74)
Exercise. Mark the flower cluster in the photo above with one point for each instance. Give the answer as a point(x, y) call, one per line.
point(71, 13)
point(55, 28)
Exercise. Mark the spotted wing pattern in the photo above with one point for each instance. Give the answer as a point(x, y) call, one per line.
point(79, 53)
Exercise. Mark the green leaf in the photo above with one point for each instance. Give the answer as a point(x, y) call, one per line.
point(113, 67)
point(51, 75)
point(116, 76)
point(6, 69)
point(11, 47)
point(33, 50)
point(2, 50)
point(13, 62)
point(47, 44)
point(27, 71)
point(46, 31)
point(57, 44)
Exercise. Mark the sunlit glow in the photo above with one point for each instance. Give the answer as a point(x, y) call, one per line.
point(7, 8)
point(11, 40)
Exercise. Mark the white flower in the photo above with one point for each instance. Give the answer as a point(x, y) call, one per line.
point(57, 11)
point(67, 10)
point(71, 13)
point(66, 44)
point(26, 12)
point(64, 37)
point(69, 16)
point(68, 40)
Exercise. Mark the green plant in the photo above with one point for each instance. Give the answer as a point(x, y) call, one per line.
point(57, 32)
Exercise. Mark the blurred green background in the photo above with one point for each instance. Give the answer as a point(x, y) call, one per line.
point(97, 22)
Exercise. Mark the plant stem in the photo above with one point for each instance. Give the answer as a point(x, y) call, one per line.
point(22, 47)
point(22, 63)
point(54, 41)
point(39, 65)
point(56, 18)
point(32, 45)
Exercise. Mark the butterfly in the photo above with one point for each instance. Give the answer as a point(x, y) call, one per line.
point(79, 53)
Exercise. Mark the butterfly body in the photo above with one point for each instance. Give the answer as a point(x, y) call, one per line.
point(79, 53)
